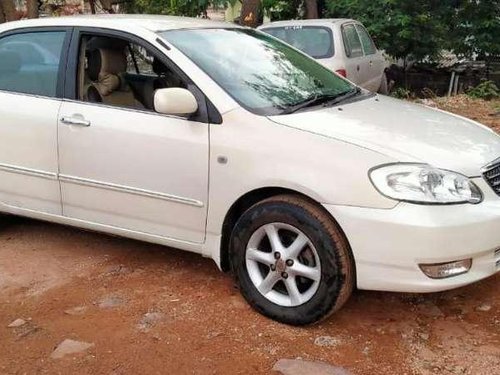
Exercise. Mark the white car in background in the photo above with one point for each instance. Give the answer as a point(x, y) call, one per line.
point(299, 182)
point(342, 45)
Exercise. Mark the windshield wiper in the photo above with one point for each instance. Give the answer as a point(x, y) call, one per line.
point(309, 102)
point(326, 99)
point(343, 96)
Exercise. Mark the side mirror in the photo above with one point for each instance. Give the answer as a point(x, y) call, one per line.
point(175, 101)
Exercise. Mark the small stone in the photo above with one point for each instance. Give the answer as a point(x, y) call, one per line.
point(111, 301)
point(300, 367)
point(424, 336)
point(429, 309)
point(117, 270)
point(78, 310)
point(149, 320)
point(213, 335)
point(69, 346)
point(326, 341)
point(17, 323)
point(484, 307)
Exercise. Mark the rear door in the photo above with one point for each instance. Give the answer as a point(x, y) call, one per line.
point(376, 62)
point(357, 65)
point(31, 71)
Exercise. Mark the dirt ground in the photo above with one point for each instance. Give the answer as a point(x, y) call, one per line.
point(147, 309)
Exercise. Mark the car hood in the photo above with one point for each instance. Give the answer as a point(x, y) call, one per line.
point(404, 131)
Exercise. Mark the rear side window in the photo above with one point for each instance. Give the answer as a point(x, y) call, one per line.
point(29, 62)
point(316, 41)
point(366, 41)
point(352, 43)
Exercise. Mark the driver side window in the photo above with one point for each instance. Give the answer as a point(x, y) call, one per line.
point(117, 72)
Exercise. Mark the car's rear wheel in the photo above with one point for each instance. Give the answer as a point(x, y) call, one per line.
point(291, 260)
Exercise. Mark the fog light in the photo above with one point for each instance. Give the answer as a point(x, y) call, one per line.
point(449, 269)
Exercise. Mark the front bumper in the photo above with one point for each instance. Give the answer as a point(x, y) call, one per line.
point(389, 244)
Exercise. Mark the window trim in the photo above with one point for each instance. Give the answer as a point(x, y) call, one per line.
point(61, 72)
point(358, 26)
point(344, 40)
point(331, 50)
point(207, 112)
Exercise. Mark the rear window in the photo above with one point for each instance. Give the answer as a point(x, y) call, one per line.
point(316, 41)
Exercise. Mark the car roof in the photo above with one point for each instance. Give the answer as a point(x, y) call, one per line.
point(122, 21)
point(313, 22)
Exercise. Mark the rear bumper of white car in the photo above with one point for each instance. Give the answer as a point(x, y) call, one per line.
point(389, 244)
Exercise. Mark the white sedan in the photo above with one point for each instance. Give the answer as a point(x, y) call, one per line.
point(226, 142)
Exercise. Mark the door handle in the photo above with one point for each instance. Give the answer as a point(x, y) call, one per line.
point(75, 121)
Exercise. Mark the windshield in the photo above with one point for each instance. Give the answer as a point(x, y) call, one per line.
point(260, 72)
point(316, 41)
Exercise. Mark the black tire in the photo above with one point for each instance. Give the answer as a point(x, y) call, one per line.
point(337, 265)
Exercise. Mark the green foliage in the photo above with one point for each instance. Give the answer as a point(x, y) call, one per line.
point(279, 10)
point(477, 28)
point(405, 29)
point(401, 93)
point(402, 28)
point(189, 8)
point(485, 90)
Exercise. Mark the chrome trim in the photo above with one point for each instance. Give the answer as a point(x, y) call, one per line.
point(488, 166)
point(75, 121)
point(130, 190)
point(28, 171)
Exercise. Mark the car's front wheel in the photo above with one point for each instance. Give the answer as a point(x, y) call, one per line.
point(291, 260)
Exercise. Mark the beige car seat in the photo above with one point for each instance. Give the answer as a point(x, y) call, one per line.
point(105, 70)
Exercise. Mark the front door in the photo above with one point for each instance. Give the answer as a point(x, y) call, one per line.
point(30, 93)
point(122, 164)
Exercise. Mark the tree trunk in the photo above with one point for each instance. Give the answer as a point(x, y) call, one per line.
point(32, 9)
point(106, 5)
point(312, 9)
point(2, 16)
point(8, 9)
point(250, 13)
point(92, 6)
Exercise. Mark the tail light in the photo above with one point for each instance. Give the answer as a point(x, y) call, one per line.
point(341, 72)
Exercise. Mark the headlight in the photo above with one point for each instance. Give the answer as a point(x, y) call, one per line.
point(421, 183)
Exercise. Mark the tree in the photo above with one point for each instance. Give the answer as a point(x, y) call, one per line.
point(477, 28)
point(8, 11)
point(250, 13)
point(188, 8)
point(32, 8)
point(311, 9)
point(404, 29)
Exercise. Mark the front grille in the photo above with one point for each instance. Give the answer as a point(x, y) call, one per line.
point(492, 176)
point(497, 258)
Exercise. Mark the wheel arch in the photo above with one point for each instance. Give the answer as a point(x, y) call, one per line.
point(245, 202)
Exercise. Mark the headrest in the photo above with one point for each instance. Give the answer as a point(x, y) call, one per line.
point(106, 61)
point(10, 62)
point(159, 68)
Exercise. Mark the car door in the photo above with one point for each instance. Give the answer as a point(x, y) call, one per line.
point(30, 97)
point(376, 63)
point(357, 66)
point(132, 168)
